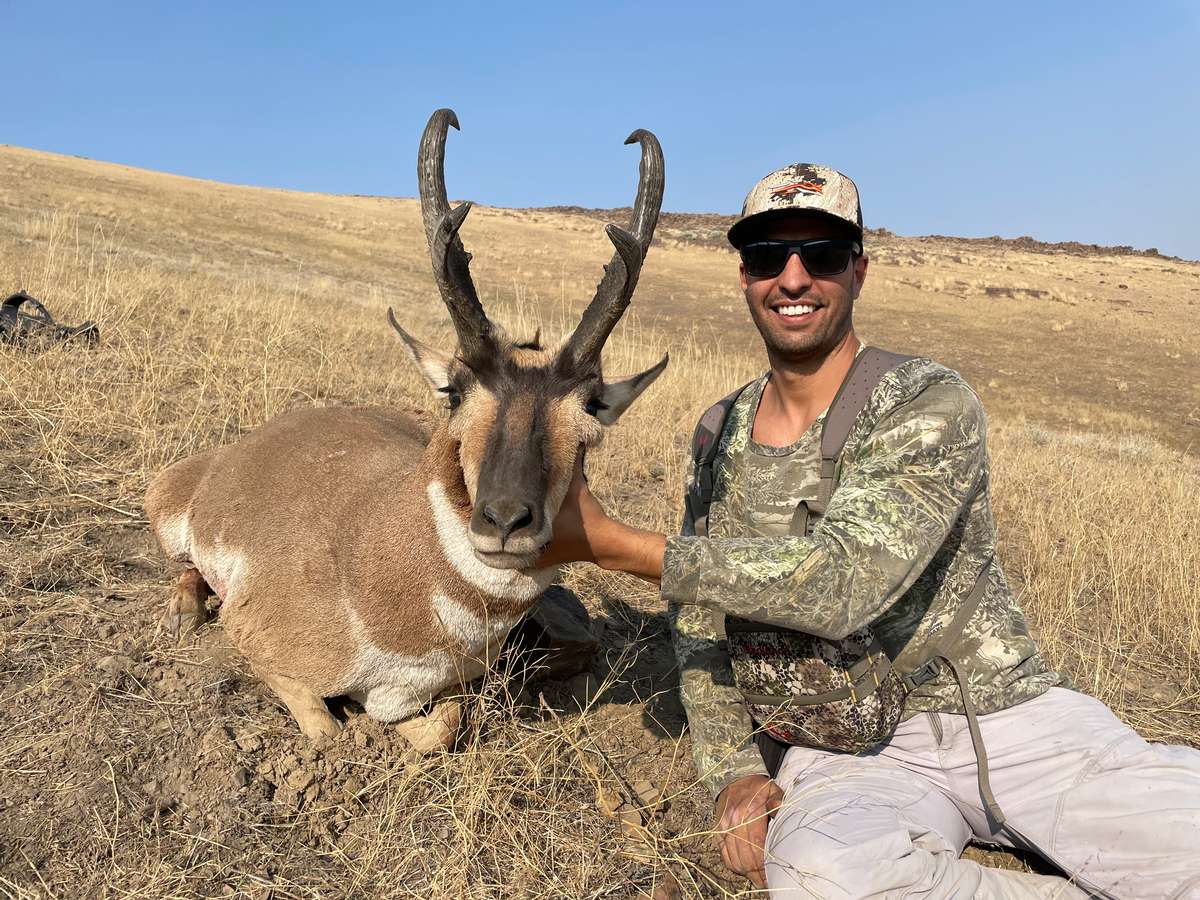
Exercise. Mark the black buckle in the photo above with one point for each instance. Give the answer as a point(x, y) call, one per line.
point(927, 671)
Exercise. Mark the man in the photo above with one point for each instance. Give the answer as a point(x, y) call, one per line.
point(906, 539)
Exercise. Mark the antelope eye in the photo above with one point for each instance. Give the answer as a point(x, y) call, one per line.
point(594, 405)
point(453, 398)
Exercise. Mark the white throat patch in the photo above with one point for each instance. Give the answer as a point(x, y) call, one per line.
point(505, 584)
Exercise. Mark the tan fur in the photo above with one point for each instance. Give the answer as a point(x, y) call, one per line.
point(317, 519)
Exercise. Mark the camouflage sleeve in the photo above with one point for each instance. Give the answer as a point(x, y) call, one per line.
point(892, 509)
point(719, 724)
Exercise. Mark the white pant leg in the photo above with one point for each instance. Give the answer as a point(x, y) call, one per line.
point(863, 826)
point(1076, 785)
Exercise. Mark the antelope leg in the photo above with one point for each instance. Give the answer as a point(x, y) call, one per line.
point(309, 710)
point(435, 731)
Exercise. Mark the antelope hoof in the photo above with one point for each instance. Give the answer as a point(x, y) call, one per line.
point(319, 725)
point(182, 623)
point(436, 731)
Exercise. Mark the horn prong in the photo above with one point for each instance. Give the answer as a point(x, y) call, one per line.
point(615, 289)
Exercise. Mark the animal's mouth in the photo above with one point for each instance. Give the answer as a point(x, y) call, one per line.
point(503, 560)
point(516, 552)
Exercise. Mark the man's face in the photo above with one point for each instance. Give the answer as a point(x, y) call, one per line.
point(801, 317)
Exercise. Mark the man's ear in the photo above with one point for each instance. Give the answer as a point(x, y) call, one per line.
point(617, 396)
point(434, 364)
point(860, 274)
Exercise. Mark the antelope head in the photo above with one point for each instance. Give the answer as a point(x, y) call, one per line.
point(520, 413)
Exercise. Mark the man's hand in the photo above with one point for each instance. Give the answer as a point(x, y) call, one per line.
point(577, 524)
point(583, 532)
point(743, 810)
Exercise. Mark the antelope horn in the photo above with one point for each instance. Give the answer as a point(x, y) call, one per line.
point(621, 274)
point(451, 261)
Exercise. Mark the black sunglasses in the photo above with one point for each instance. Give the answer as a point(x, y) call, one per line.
point(821, 256)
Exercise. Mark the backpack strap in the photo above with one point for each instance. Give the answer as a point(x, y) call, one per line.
point(860, 382)
point(941, 660)
point(705, 441)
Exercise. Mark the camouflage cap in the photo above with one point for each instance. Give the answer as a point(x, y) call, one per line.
point(800, 187)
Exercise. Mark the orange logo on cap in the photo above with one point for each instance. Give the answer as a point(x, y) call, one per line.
point(796, 187)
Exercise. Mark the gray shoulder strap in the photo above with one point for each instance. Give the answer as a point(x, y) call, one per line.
point(851, 399)
point(864, 376)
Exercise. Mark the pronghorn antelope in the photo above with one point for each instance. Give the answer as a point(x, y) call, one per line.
point(352, 554)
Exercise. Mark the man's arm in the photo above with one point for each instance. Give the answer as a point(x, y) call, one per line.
point(721, 728)
point(889, 515)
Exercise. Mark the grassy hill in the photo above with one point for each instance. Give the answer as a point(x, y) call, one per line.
point(131, 766)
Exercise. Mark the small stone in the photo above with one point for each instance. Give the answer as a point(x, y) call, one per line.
point(362, 740)
point(300, 779)
point(352, 787)
point(214, 740)
point(630, 821)
point(608, 802)
point(114, 664)
point(247, 740)
point(646, 793)
point(239, 778)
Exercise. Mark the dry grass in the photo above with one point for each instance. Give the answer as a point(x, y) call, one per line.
point(171, 772)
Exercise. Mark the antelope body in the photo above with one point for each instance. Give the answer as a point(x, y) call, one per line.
point(352, 554)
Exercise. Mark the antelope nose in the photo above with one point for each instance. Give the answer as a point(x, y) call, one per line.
point(507, 515)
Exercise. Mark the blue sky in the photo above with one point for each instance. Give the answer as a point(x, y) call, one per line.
point(1075, 121)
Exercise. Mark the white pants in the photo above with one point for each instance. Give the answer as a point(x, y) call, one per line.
point(1119, 815)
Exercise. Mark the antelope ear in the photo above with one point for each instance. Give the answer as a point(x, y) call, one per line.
point(617, 396)
point(433, 363)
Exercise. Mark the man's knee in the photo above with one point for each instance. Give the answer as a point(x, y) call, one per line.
point(804, 860)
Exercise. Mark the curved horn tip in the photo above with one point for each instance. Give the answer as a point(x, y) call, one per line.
point(450, 116)
point(641, 135)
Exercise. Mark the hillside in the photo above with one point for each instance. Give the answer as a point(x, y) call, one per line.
point(1072, 339)
point(130, 766)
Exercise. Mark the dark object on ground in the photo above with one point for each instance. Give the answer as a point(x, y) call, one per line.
point(24, 321)
point(555, 638)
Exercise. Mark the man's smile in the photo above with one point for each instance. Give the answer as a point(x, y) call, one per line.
point(795, 312)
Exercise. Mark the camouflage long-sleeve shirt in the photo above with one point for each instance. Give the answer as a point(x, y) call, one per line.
point(906, 532)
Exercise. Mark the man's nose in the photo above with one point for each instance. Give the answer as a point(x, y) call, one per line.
point(794, 278)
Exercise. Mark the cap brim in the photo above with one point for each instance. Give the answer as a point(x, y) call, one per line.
point(743, 229)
